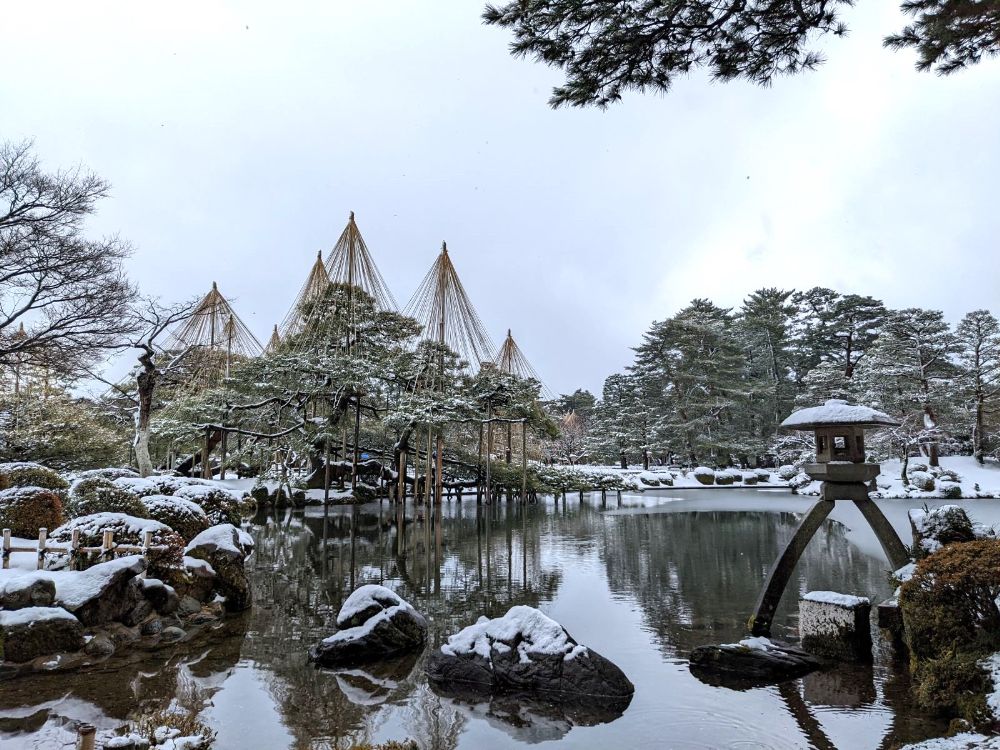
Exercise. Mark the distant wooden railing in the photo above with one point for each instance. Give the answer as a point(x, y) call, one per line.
point(107, 551)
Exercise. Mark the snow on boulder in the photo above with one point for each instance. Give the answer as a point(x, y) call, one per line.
point(38, 631)
point(751, 661)
point(225, 548)
point(374, 623)
point(524, 652)
point(29, 589)
point(103, 593)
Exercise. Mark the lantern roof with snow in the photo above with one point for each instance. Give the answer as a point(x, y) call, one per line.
point(837, 412)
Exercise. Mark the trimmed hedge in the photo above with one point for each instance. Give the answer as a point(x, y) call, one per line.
point(184, 516)
point(26, 474)
point(25, 510)
point(100, 495)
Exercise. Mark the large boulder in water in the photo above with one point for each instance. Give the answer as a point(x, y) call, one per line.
point(37, 631)
point(374, 624)
point(225, 548)
point(525, 652)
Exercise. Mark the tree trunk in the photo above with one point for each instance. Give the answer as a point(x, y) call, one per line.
point(145, 385)
point(624, 461)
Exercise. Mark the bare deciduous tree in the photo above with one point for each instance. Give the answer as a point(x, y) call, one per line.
point(64, 298)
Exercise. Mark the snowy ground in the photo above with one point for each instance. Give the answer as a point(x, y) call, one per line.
point(974, 481)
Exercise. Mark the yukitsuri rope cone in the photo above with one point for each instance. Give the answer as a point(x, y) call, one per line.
point(215, 337)
point(315, 287)
point(348, 270)
point(511, 360)
point(274, 342)
point(447, 315)
point(350, 263)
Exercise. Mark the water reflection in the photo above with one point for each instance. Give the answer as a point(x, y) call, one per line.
point(642, 588)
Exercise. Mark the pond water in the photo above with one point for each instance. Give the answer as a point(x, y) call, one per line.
point(642, 581)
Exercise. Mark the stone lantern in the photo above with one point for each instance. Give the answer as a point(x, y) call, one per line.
point(839, 428)
point(840, 465)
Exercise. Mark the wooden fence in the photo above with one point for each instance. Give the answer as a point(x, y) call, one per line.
point(107, 551)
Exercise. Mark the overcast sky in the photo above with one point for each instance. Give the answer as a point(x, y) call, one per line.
point(238, 136)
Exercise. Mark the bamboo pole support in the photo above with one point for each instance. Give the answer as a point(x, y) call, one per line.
point(427, 475)
point(439, 474)
point(206, 466)
point(479, 467)
point(524, 461)
point(354, 449)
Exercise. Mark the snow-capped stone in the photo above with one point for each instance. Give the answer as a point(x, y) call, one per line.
point(375, 623)
point(225, 548)
point(524, 652)
point(836, 625)
point(36, 631)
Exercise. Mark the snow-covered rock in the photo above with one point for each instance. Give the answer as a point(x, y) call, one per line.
point(225, 548)
point(374, 623)
point(36, 631)
point(524, 652)
point(27, 589)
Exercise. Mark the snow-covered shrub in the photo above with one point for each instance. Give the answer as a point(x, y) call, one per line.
point(763, 475)
point(137, 486)
point(100, 495)
point(921, 480)
point(221, 505)
point(167, 484)
point(26, 474)
point(184, 516)
point(800, 481)
point(916, 466)
point(951, 623)
point(950, 490)
point(787, 471)
point(704, 475)
point(128, 530)
point(750, 478)
point(649, 479)
point(173, 728)
point(945, 475)
point(112, 472)
point(724, 478)
point(25, 510)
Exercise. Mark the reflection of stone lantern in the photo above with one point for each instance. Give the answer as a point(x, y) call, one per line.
point(840, 465)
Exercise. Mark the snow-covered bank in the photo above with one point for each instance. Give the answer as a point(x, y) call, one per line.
point(958, 477)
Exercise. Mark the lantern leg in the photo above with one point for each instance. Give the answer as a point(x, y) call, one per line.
point(781, 571)
point(892, 546)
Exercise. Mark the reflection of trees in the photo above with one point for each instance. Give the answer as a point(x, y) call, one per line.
point(697, 575)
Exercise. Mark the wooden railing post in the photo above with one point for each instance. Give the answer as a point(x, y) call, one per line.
point(74, 550)
point(42, 538)
point(6, 549)
point(108, 545)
